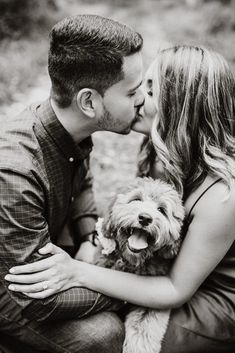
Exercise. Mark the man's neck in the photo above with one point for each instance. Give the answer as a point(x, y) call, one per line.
point(78, 126)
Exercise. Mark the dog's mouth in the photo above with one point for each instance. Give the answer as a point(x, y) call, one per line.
point(138, 240)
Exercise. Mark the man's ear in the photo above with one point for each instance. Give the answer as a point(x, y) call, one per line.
point(87, 101)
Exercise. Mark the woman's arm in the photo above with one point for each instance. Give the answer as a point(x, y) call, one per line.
point(209, 237)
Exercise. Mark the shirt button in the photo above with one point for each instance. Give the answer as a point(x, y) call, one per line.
point(72, 198)
point(71, 159)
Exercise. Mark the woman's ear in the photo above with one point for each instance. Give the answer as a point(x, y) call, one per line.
point(87, 101)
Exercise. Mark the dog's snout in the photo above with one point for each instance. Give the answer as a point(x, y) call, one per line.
point(144, 219)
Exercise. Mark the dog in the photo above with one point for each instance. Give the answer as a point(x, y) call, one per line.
point(141, 234)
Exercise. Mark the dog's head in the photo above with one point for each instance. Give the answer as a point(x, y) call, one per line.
point(145, 218)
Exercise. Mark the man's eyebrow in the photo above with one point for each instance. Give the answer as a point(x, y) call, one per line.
point(136, 87)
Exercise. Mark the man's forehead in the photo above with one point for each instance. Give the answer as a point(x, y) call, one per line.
point(133, 69)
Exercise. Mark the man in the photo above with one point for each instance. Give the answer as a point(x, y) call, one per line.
point(95, 68)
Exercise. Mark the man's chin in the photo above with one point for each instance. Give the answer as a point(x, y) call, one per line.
point(125, 131)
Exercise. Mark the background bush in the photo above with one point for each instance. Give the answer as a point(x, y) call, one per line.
point(19, 17)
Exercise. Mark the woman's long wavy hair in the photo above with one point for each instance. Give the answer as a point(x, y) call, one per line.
point(193, 132)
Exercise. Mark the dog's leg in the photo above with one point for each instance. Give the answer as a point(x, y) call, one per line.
point(145, 330)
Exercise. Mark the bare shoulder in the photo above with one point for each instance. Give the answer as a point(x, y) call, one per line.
point(214, 195)
point(215, 209)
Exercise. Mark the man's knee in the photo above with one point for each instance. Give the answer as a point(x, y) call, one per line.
point(108, 334)
point(103, 333)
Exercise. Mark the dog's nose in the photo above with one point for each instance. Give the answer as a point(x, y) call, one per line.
point(144, 219)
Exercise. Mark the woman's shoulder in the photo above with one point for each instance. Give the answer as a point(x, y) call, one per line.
point(212, 197)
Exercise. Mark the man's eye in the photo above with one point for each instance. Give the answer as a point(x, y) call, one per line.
point(132, 94)
point(137, 198)
point(150, 93)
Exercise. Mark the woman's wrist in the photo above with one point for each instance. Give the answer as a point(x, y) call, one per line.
point(79, 273)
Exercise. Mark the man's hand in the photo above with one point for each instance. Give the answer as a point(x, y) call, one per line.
point(88, 252)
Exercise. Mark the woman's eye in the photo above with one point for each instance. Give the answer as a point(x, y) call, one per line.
point(132, 94)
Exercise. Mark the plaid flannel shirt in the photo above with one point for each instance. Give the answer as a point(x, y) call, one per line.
point(44, 181)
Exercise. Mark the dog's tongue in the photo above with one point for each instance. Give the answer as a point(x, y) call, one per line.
point(138, 240)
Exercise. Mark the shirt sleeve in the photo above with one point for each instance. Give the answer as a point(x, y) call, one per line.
point(24, 230)
point(84, 213)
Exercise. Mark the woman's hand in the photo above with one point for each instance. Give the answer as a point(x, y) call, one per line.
point(45, 277)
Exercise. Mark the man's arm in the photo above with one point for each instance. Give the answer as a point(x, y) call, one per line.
point(24, 230)
point(73, 303)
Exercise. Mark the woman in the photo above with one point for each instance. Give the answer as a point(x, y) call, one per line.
point(189, 112)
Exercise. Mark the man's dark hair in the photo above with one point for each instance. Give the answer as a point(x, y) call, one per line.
point(88, 51)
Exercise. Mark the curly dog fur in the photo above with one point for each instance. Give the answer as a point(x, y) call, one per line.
point(141, 234)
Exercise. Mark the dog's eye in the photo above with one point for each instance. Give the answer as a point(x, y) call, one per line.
point(162, 210)
point(135, 199)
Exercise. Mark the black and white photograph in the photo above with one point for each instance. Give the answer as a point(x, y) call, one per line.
point(117, 176)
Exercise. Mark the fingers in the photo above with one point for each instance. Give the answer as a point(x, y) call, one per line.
point(50, 248)
point(37, 287)
point(43, 264)
point(29, 278)
point(38, 266)
point(40, 295)
point(38, 290)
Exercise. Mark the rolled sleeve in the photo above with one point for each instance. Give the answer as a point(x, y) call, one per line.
point(74, 303)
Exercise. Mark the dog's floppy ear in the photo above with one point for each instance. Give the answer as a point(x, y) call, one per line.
point(178, 212)
point(105, 229)
point(172, 248)
point(108, 226)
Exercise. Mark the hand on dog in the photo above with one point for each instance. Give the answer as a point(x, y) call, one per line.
point(45, 277)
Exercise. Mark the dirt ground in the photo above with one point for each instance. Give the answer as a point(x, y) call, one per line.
point(161, 22)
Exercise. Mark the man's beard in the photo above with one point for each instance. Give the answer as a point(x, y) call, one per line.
point(108, 123)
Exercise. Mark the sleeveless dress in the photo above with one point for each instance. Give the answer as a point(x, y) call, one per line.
point(206, 323)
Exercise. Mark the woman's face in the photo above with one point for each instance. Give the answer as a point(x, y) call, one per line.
point(148, 111)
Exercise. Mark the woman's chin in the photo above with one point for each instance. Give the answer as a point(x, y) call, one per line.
point(141, 127)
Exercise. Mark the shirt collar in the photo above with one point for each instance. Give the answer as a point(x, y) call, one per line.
point(73, 152)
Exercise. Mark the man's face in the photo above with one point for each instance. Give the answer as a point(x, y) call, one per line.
point(121, 102)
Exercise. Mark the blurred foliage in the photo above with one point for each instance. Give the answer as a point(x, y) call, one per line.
point(222, 18)
point(18, 17)
point(25, 25)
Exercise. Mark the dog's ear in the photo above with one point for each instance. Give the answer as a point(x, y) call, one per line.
point(108, 226)
point(172, 248)
point(178, 212)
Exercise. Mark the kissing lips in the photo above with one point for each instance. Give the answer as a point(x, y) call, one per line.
point(138, 117)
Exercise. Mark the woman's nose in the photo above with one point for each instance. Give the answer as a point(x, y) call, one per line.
point(140, 99)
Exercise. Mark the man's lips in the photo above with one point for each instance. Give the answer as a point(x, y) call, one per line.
point(137, 118)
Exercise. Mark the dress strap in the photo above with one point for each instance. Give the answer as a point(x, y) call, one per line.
point(200, 196)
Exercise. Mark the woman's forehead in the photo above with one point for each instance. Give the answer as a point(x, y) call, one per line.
point(149, 72)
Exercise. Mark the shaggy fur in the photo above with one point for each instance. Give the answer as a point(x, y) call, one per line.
point(141, 234)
